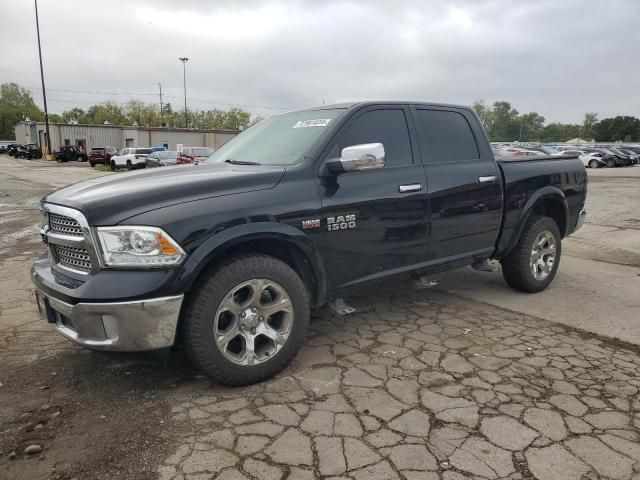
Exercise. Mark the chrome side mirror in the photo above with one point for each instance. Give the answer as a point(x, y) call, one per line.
point(367, 156)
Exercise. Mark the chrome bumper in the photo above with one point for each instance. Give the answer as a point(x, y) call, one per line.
point(119, 326)
point(582, 215)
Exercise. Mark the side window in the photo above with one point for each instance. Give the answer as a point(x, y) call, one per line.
point(446, 136)
point(388, 127)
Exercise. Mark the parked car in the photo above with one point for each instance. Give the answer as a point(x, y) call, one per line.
point(5, 148)
point(234, 252)
point(634, 152)
point(194, 154)
point(593, 159)
point(162, 159)
point(29, 151)
point(613, 159)
point(630, 157)
point(12, 149)
point(69, 153)
point(130, 158)
point(101, 155)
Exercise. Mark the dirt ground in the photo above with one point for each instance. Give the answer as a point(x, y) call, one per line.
point(468, 380)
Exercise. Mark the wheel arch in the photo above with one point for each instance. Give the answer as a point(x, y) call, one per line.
point(548, 201)
point(280, 241)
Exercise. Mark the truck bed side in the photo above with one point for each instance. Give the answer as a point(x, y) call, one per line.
point(555, 186)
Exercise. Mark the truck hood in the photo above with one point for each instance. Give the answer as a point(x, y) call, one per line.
point(111, 199)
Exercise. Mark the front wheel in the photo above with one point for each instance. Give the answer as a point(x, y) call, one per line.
point(534, 262)
point(594, 164)
point(113, 166)
point(611, 163)
point(246, 319)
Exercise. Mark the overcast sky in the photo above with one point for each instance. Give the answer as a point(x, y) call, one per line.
point(560, 58)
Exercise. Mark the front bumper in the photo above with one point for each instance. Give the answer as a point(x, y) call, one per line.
point(118, 326)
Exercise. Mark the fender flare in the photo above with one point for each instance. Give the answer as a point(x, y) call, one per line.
point(540, 195)
point(219, 242)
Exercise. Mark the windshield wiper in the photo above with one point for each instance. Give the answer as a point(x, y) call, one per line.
point(238, 162)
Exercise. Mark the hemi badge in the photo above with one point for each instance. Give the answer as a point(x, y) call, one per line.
point(307, 224)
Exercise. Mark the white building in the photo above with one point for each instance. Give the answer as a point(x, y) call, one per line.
point(90, 136)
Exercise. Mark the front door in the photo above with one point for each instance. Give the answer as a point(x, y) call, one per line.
point(465, 187)
point(375, 221)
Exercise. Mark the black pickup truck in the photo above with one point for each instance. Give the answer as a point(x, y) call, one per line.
point(228, 257)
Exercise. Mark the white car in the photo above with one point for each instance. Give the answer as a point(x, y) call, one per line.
point(130, 158)
point(593, 159)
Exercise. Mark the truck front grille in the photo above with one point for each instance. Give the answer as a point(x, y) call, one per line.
point(65, 225)
point(68, 236)
point(72, 257)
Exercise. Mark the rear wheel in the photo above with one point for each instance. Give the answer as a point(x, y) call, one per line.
point(129, 165)
point(594, 164)
point(246, 319)
point(534, 262)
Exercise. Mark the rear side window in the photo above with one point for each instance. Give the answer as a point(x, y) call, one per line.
point(446, 136)
point(388, 127)
point(143, 151)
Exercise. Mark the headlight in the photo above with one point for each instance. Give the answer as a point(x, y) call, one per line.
point(138, 247)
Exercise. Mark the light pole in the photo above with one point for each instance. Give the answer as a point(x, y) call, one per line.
point(44, 93)
point(184, 61)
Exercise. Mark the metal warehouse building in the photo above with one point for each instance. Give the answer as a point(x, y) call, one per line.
point(90, 136)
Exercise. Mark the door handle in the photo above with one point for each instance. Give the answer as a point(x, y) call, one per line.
point(414, 187)
point(487, 179)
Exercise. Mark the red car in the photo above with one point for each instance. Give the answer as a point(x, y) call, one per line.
point(101, 155)
point(194, 154)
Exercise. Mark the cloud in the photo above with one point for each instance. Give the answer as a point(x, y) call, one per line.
point(560, 59)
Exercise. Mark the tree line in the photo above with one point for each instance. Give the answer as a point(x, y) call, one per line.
point(17, 104)
point(504, 123)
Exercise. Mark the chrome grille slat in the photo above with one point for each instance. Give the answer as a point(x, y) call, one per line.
point(66, 225)
point(76, 258)
point(70, 241)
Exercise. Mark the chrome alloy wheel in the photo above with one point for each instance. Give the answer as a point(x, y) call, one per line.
point(543, 255)
point(253, 322)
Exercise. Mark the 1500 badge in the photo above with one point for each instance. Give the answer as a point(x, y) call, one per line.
point(341, 222)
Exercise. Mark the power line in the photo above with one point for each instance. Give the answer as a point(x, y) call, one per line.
point(151, 83)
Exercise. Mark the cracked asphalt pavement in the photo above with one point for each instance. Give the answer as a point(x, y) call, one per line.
point(418, 384)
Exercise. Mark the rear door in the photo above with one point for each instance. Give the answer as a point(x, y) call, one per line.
point(375, 221)
point(464, 182)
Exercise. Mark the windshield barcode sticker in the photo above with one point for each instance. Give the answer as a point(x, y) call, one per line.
point(319, 122)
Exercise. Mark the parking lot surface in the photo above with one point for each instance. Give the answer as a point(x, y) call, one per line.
point(468, 380)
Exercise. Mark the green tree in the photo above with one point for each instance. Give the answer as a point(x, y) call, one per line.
point(504, 125)
point(16, 104)
point(484, 112)
point(106, 112)
point(620, 128)
point(590, 120)
point(76, 114)
point(531, 125)
point(559, 132)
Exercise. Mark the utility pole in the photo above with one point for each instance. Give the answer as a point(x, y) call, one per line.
point(184, 61)
point(44, 92)
point(161, 111)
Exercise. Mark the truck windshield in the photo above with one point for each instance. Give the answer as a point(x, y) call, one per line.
point(279, 140)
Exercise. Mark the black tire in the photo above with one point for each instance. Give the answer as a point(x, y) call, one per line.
point(113, 166)
point(611, 163)
point(516, 268)
point(129, 165)
point(594, 164)
point(201, 305)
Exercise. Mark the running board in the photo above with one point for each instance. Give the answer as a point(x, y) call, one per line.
point(484, 266)
point(340, 307)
